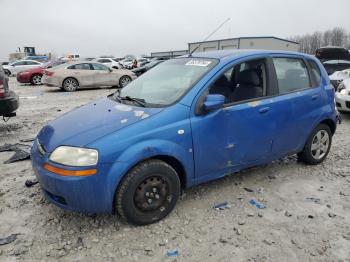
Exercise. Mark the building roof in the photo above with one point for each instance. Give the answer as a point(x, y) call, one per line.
point(220, 54)
point(249, 37)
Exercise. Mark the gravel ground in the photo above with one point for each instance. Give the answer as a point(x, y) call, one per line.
point(307, 214)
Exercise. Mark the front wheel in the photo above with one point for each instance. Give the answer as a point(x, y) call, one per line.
point(317, 146)
point(124, 80)
point(70, 84)
point(148, 193)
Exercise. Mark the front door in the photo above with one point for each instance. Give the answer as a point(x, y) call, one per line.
point(103, 75)
point(241, 133)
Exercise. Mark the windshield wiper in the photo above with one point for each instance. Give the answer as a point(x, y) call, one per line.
point(139, 101)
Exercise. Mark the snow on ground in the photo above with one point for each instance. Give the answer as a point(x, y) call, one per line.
point(307, 214)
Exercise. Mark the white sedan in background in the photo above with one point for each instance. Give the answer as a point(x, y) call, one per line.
point(342, 96)
point(110, 62)
point(19, 66)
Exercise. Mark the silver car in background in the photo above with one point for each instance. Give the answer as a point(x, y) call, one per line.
point(73, 76)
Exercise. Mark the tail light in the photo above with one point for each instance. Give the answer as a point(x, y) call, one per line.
point(48, 73)
point(2, 88)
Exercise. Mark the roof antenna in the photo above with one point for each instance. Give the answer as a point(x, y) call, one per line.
point(190, 54)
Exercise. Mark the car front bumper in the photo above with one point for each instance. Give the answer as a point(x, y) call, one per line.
point(9, 104)
point(87, 194)
point(342, 102)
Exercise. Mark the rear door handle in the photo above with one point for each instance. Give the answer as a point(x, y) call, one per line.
point(264, 110)
point(314, 97)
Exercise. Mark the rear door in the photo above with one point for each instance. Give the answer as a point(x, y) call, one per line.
point(84, 73)
point(300, 93)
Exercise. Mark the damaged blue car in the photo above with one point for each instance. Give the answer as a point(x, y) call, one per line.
point(187, 121)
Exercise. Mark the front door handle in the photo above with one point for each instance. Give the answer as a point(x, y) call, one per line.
point(314, 97)
point(264, 110)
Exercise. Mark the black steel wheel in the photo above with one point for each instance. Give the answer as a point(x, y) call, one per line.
point(148, 193)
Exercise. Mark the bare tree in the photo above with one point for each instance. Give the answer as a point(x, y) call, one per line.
point(309, 43)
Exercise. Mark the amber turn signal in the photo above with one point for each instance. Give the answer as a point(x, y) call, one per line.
point(65, 172)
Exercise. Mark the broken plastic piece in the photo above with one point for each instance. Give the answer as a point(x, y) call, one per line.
point(8, 240)
point(256, 204)
point(22, 152)
point(222, 206)
point(30, 183)
point(248, 189)
point(172, 253)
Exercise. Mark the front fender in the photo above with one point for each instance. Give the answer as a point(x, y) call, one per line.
point(148, 149)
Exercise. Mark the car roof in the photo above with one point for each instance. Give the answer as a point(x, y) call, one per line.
point(221, 54)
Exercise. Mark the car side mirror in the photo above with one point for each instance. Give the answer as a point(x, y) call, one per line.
point(213, 102)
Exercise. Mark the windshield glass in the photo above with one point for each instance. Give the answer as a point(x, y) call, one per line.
point(167, 82)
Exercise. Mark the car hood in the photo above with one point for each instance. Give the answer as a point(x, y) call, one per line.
point(91, 122)
point(339, 75)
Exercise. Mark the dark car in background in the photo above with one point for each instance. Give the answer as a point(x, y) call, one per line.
point(333, 58)
point(332, 66)
point(140, 70)
point(8, 99)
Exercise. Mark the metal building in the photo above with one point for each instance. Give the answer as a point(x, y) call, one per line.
point(169, 54)
point(261, 42)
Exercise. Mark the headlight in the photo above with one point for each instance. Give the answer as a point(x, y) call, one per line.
point(74, 156)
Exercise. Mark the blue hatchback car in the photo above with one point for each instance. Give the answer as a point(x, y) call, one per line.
point(187, 121)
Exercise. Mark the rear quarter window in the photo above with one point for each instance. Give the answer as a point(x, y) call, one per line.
point(315, 71)
point(292, 74)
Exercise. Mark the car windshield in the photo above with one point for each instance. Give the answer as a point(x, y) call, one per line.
point(169, 81)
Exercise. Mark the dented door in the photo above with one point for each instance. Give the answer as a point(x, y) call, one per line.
point(233, 136)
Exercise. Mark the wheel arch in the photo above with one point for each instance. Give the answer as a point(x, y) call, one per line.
point(330, 123)
point(170, 160)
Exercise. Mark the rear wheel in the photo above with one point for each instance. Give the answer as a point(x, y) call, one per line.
point(70, 84)
point(124, 80)
point(317, 146)
point(148, 193)
point(36, 79)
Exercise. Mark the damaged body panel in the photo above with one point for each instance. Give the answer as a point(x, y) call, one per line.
point(187, 121)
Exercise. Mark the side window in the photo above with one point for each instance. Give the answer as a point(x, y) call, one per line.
point(292, 74)
point(315, 70)
point(80, 67)
point(31, 63)
point(19, 63)
point(241, 82)
point(104, 61)
point(99, 67)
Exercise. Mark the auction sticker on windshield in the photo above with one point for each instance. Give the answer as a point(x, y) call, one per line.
point(198, 63)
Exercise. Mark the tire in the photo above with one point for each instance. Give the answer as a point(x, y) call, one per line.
point(124, 80)
point(7, 72)
point(36, 79)
point(70, 84)
point(317, 146)
point(148, 193)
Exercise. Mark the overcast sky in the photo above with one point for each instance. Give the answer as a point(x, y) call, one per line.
point(119, 27)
